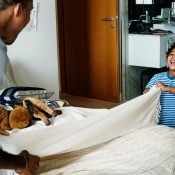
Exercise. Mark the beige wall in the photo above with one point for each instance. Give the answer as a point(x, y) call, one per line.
point(34, 53)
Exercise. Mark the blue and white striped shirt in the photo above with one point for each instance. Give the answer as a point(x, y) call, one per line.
point(167, 100)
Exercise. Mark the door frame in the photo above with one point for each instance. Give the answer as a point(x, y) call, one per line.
point(61, 46)
point(124, 46)
point(123, 49)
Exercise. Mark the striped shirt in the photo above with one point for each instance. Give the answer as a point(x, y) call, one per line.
point(167, 100)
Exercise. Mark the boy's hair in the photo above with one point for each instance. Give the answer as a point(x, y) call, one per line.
point(170, 49)
point(7, 3)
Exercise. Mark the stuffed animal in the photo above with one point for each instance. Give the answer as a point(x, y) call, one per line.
point(21, 116)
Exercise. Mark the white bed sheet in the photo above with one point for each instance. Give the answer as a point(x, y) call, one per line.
point(85, 129)
point(98, 126)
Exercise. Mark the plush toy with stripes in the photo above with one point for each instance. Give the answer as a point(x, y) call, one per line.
point(22, 116)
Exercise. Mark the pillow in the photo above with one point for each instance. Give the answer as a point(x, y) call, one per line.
point(11, 94)
point(49, 102)
point(55, 103)
point(10, 97)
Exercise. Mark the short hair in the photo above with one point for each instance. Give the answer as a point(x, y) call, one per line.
point(4, 4)
point(170, 50)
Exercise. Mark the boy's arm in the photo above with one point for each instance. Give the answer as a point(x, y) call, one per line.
point(170, 89)
point(151, 83)
point(166, 88)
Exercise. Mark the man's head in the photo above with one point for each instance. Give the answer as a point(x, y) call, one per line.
point(14, 16)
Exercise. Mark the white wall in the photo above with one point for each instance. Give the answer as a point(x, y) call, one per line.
point(34, 55)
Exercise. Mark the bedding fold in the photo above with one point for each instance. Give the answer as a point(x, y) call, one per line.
point(95, 129)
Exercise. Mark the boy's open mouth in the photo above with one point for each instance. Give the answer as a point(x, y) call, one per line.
point(172, 62)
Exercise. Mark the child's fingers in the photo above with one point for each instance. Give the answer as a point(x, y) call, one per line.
point(146, 90)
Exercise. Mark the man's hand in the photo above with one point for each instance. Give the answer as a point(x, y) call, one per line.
point(4, 132)
point(31, 164)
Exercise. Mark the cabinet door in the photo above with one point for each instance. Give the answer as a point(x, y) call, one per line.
point(148, 50)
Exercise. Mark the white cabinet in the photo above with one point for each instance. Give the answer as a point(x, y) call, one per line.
point(148, 50)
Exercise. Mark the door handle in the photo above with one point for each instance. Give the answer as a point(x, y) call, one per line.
point(108, 19)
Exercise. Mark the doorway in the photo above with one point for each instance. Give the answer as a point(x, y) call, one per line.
point(89, 48)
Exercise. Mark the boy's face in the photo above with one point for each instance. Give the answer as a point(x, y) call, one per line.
point(171, 60)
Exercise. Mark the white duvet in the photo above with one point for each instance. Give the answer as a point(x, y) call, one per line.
point(79, 141)
point(147, 151)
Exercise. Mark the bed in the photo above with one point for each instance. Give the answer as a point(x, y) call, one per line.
point(82, 141)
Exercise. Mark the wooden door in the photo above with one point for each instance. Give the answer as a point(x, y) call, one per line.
point(89, 48)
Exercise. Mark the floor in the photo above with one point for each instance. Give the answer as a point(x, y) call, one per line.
point(87, 102)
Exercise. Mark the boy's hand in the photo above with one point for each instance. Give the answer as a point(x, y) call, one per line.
point(162, 86)
point(146, 90)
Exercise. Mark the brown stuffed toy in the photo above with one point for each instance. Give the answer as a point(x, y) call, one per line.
point(21, 116)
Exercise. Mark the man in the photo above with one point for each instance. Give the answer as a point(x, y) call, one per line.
point(14, 16)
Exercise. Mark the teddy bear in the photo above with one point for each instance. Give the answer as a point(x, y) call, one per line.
point(21, 116)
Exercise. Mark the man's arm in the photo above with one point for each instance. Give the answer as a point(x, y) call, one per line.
point(9, 161)
point(24, 163)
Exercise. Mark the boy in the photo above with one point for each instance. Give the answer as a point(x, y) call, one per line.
point(166, 82)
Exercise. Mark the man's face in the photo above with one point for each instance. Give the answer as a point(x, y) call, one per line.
point(18, 23)
point(25, 18)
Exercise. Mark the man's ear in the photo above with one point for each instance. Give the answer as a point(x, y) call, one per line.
point(17, 9)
